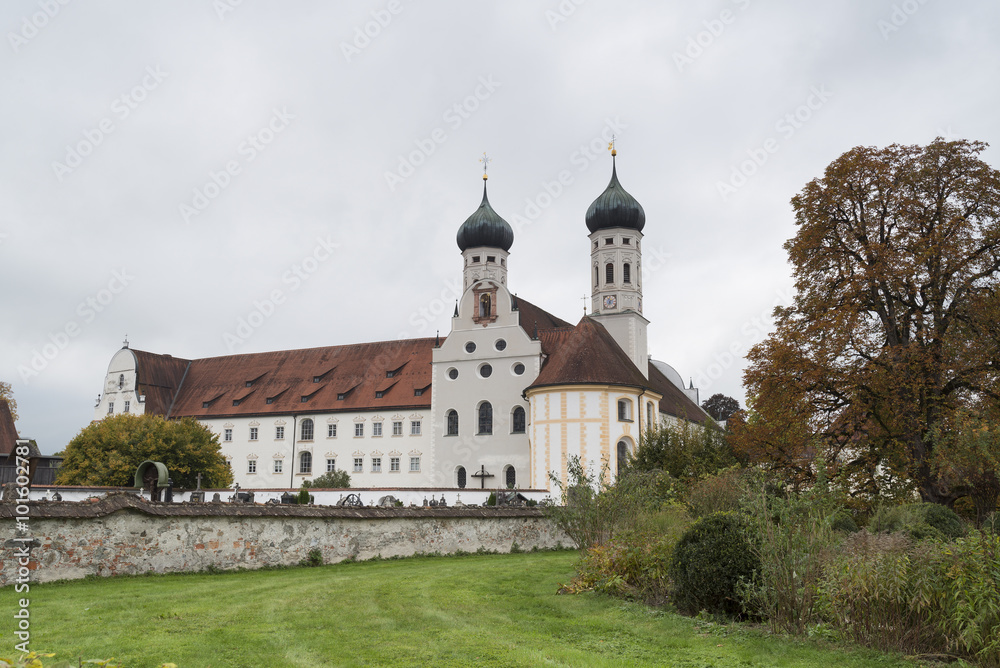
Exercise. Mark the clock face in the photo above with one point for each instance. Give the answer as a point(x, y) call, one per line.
point(610, 301)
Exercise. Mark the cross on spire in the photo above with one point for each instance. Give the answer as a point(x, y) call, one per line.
point(486, 160)
point(125, 343)
point(584, 298)
point(611, 146)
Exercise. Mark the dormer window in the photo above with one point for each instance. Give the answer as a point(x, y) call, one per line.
point(205, 404)
point(316, 379)
point(379, 394)
point(236, 402)
point(249, 383)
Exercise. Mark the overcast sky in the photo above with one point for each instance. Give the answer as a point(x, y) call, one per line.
point(168, 169)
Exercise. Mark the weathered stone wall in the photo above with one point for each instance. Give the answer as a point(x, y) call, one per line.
point(124, 534)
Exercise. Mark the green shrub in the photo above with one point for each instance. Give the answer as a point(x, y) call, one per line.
point(635, 564)
point(842, 521)
point(712, 561)
point(919, 521)
point(333, 480)
point(716, 493)
point(937, 597)
point(314, 558)
point(492, 499)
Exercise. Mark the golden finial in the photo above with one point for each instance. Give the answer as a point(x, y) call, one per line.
point(486, 163)
point(611, 146)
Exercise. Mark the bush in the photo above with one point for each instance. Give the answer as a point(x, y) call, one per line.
point(842, 521)
point(716, 493)
point(919, 521)
point(711, 563)
point(888, 592)
point(635, 564)
point(332, 480)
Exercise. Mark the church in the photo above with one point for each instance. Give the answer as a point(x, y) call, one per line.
point(506, 398)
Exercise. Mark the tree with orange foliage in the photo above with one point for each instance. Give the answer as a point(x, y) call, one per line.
point(895, 324)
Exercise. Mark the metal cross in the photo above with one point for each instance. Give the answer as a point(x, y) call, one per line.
point(584, 298)
point(486, 160)
point(611, 144)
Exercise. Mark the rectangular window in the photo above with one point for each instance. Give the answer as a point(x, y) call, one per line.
point(331, 431)
point(111, 408)
point(277, 466)
point(626, 241)
point(359, 429)
point(608, 242)
point(331, 465)
point(397, 428)
point(359, 464)
point(253, 433)
point(376, 429)
point(227, 435)
point(491, 258)
point(379, 394)
point(414, 464)
point(376, 464)
point(418, 392)
point(127, 405)
point(251, 466)
point(394, 464)
point(279, 433)
point(414, 427)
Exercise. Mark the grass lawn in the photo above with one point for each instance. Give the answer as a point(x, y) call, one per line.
point(489, 610)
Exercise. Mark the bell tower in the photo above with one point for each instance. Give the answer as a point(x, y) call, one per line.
point(615, 220)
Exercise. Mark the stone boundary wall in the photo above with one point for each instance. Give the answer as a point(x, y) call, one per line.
point(125, 534)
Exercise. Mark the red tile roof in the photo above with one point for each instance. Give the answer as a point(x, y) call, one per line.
point(532, 318)
point(309, 381)
point(586, 354)
point(158, 377)
point(675, 402)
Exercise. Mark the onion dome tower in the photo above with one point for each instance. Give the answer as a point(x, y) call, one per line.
point(484, 239)
point(615, 220)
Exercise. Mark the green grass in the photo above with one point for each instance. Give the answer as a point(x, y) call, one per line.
point(490, 610)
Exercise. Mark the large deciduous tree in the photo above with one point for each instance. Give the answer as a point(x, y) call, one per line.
point(7, 396)
point(895, 325)
point(109, 451)
point(720, 406)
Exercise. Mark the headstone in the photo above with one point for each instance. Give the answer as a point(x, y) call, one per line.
point(216, 498)
point(57, 496)
point(442, 502)
point(288, 498)
point(197, 497)
point(168, 495)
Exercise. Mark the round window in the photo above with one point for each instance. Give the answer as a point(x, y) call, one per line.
point(500, 344)
point(470, 347)
point(486, 371)
point(453, 373)
point(518, 369)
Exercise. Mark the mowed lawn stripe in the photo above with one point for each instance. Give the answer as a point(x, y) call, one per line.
point(496, 610)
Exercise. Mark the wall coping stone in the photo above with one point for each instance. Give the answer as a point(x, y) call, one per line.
point(125, 501)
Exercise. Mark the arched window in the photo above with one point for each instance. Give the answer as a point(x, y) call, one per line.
point(486, 418)
point(484, 306)
point(609, 273)
point(510, 477)
point(624, 410)
point(597, 275)
point(306, 462)
point(307, 430)
point(121, 381)
point(461, 477)
point(626, 273)
point(622, 454)
point(517, 420)
point(452, 423)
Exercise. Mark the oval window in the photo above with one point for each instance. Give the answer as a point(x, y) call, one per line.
point(518, 369)
point(470, 347)
point(486, 371)
point(500, 344)
point(453, 373)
